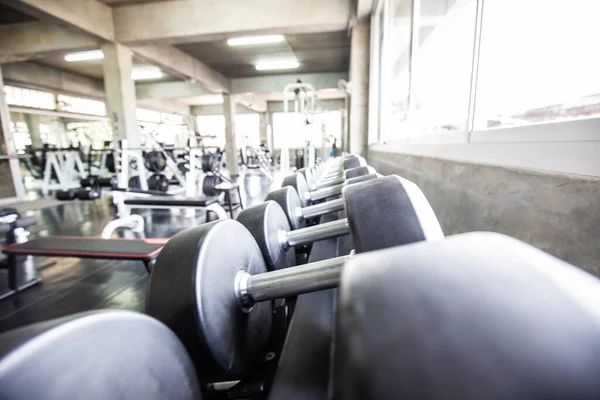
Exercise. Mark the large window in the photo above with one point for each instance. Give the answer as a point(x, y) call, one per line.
point(442, 65)
point(397, 97)
point(539, 62)
point(292, 130)
point(81, 105)
point(17, 96)
point(247, 130)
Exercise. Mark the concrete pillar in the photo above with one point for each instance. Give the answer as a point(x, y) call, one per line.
point(230, 145)
point(33, 125)
point(359, 79)
point(11, 184)
point(120, 93)
point(346, 125)
point(263, 132)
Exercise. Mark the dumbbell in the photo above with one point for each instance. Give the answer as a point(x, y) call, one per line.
point(66, 195)
point(313, 177)
point(373, 225)
point(298, 182)
point(211, 286)
point(288, 198)
point(88, 194)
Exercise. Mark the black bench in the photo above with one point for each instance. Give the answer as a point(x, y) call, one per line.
point(144, 250)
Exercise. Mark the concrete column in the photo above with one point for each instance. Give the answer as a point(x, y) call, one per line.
point(11, 184)
point(230, 145)
point(120, 93)
point(33, 125)
point(359, 79)
point(264, 123)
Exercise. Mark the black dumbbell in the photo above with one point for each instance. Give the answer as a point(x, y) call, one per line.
point(314, 177)
point(288, 198)
point(88, 194)
point(210, 283)
point(66, 195)
point(298, 182)
point(107, 182)
point(90, 181)
point(372, 227)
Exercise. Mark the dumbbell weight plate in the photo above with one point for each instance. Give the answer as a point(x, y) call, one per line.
point(134, 182)
point(262, 220)
point(90, 181)
point(107, 182)
point(194, 274)
point(288, 199)
point(158, 182)
point(298, 182)
point(88, 194)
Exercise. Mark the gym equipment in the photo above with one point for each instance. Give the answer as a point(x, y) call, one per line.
point(66, 195)
point(406, 210)
point(88, 194)
point(107, 182)
point(222, 315)
point(90, 181)
point(20, 273)
point(298, 182)
point(209, 183)
point(479, 315)
point(44, 361)
point(62, 170)
point(158, 182)
point(210, 204)
point(144, 250)
point(155, 161)
point(289, 200)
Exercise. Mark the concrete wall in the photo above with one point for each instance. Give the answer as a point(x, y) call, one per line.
point(558, 213)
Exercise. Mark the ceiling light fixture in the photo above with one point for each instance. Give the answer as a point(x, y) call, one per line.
point(146, 73)
point(85, 56)
point(271, 65)
point(251, 40)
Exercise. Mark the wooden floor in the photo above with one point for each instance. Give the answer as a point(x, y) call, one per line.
point(72, 285)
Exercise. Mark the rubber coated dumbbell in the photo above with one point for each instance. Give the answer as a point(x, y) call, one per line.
point(371, 230)
point(210, 283)
point(332, 167)
point(298, 182)
point(289, 200)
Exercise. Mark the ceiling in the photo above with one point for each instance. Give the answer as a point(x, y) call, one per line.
point(321, 52)
point(91, 68)
point(9, 15)
point(116, 3)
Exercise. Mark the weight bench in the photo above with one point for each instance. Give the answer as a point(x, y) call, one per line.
point(144, 250)
point(210, 204)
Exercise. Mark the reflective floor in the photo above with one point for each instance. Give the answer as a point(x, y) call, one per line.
point(72, 285)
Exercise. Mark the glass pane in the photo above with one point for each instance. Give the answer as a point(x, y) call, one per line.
point(289, 129)
point(443, 65)
point(81, 105)
point(247, 130)
point(213, 128)
point(538, 62)
point(399, 63)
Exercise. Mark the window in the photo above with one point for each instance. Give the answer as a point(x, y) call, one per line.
point(442, 65)
point(213, 128)
point(81, 105)
point(398, 84)
point(289, 129)
point(247, 130)
point(143, 115)
point(18, 96)
point(538, 62)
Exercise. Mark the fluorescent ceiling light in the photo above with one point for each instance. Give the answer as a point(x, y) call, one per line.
point(85, 56)
point(282, 64)
point(250, 40)
point(146, 73)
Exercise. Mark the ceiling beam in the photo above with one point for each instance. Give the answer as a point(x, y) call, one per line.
point(164, 105)
point(180, 64)
point(95, 18)
point(89, 16)
point(206, 20)
point(324, 105)
point(276, 83)
point(169, 90)
point(43, 77)
point(217, 109)
point(33, 39)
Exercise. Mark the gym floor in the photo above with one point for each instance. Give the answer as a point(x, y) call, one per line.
point(72, 285)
